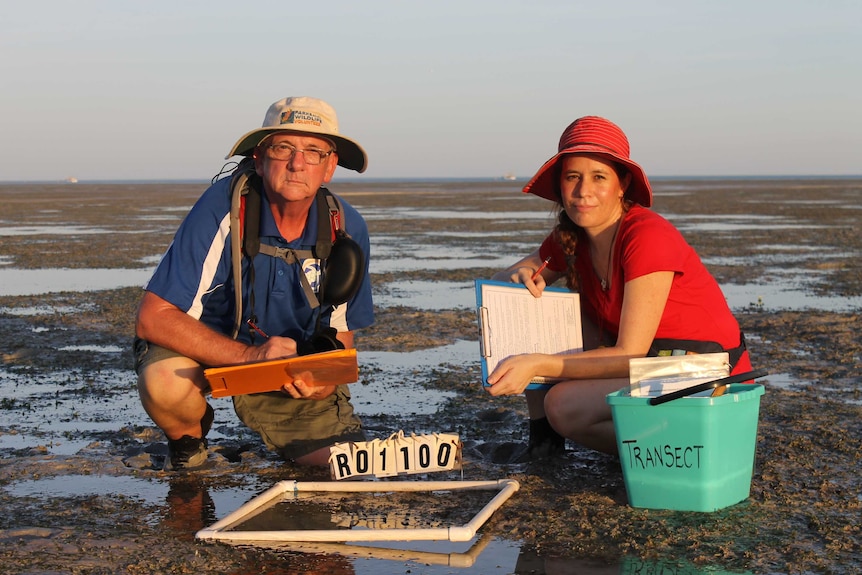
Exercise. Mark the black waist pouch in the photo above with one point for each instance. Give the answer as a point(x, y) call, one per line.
point(665, 347)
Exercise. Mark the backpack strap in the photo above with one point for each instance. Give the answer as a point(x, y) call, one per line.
point(328, 220)
point(323, 246)
point(327, 217)
point(240, 187)
point(294, 257)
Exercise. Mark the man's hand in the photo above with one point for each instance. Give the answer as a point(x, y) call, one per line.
point(272, 348)
point(299, 389)
point(302, 387)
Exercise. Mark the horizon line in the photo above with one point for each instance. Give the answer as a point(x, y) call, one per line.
point(360, 179)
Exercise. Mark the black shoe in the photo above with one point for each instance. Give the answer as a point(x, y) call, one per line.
point(187, 452)
point(545, 442)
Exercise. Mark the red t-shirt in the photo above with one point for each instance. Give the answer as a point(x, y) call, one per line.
point(696, 308)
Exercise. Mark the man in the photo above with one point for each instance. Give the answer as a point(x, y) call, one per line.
point(186, 317)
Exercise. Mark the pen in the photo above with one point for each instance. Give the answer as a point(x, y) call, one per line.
point(252, 325)
point(541, 268)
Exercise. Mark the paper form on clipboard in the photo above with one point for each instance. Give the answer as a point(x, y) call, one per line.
point(512, 321)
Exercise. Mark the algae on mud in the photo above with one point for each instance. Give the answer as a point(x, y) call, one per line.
point(803, 512)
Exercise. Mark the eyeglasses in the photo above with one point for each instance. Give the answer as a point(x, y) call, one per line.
point(284, 151)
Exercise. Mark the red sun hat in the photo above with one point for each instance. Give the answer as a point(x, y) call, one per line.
point(591, 135)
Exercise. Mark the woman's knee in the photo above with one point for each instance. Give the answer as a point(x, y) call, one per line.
point(562, 408)
point(573, 408)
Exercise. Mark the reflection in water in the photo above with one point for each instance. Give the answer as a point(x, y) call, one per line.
point(360, 551)
point(189, 507)
point(323, 511)
point(302, 515)
point(530, 562)
point(401, 521)
point(635, 566)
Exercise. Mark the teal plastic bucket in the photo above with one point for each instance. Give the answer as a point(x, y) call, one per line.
point(689, 454)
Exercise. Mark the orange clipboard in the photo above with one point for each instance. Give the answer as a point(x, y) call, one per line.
point(327, 368)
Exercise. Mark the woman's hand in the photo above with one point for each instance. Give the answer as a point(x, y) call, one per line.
point(531, 272)
point(513, 374)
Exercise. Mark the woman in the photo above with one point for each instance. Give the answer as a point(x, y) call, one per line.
point(644, 290)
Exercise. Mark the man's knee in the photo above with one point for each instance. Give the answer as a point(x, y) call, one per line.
point(171, 377)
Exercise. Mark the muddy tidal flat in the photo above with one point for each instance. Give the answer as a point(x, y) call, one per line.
point(80, 483)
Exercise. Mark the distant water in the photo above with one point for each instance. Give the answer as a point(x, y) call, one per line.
point(370, 180)
point(785, 284)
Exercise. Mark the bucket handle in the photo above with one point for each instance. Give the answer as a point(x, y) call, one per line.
point(739, 378)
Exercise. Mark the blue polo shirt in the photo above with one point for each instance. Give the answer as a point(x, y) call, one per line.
point(196, 275)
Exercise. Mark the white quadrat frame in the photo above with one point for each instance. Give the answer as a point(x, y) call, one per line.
point(222, 529)
point(466, 559)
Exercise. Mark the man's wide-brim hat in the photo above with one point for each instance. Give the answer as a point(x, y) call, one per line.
point(305, 115)
point(595, 136)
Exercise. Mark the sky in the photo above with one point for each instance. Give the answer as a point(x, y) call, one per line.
point(160, 90)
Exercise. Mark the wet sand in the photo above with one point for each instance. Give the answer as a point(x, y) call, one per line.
point(804, 509)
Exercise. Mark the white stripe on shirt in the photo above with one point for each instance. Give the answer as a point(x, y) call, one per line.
point(210, 267)
point(338, 319)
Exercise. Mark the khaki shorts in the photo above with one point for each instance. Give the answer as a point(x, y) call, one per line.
point(296, 427)
point(147, 353)
point(290, 427)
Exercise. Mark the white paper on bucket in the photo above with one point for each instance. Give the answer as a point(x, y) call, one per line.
point(652, 376)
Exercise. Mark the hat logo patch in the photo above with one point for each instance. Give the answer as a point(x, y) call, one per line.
point(301, 117)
